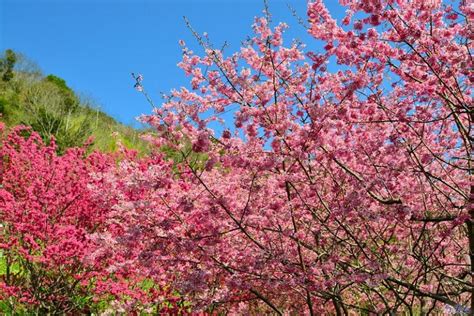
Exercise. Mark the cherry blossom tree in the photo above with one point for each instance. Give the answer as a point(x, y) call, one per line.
point(342, 183)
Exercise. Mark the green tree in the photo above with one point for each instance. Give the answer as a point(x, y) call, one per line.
point(7, 63)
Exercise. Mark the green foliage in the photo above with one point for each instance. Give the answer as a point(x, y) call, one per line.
point(60, 83)
point(53, 109)
point(69, 97)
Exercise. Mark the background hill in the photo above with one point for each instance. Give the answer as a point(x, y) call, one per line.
point(50, 107)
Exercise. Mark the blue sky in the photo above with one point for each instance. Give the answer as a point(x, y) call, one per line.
point(95, 45)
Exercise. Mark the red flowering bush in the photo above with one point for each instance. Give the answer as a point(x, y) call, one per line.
point(51, 258)
point(47, 216)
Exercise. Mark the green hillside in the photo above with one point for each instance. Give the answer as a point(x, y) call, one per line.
point(50, 107)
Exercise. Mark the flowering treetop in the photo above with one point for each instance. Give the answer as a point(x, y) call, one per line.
point(350, 186)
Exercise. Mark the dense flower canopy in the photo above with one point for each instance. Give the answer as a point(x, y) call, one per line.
point(331, 189)
point(342, 184)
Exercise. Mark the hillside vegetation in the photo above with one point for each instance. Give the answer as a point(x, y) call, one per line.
point(53, 109)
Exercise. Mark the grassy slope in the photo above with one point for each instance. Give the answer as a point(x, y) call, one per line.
point(48, 105)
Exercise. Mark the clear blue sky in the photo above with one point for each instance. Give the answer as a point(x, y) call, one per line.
point(95, 45)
